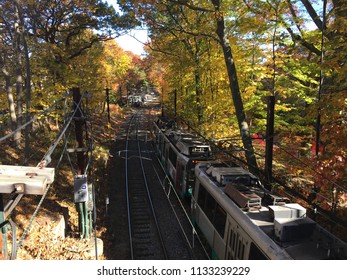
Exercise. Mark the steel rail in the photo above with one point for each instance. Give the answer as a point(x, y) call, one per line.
point(171, 187)
point(127, 188)
point(150, 198)
point(133, 124)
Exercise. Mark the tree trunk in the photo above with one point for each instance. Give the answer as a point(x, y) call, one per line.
point(27, 81)
point(12, 109)
point(198, 93)
point(10, 98)
point(235, 90)
point(19, 76)
point(198, 85)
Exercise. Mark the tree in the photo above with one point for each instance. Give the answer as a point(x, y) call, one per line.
point(41, 39)
point(234, 86)
point(115, 64)
point(10, 55)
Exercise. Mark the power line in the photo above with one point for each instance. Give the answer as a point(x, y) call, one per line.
point(47, 157)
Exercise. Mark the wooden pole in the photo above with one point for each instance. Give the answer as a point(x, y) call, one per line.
point(81, 158)
point(79, 122)
point(269, 139)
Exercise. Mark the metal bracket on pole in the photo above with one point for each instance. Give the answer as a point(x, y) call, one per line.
point(17, 181)
point(25, 179)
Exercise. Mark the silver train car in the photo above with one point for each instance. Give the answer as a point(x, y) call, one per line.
point(241, 220)
point(179, 151)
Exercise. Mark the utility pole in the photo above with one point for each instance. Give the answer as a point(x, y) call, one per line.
point(80, 183)
point(269, 139)
point(79, 122)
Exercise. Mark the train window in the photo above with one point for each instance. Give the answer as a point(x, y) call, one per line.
point(165, 151)
point(219, 220)
point(180, 176)
point(201, 196)
point(210, 205)
point(172, 157)
point(212, 210)
point(190, 171)
point(255, 253)
point(160, 141)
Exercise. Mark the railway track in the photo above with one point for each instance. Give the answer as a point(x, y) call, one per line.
point(144, 232)
point(143, 223)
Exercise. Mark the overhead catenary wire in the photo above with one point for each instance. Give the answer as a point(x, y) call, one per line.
point(90, 140)
point(74, 171)
point(26, 230)
point(47, 157)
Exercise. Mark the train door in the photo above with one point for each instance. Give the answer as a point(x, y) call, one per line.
point(190, 178)
point(162, 149)
point(171, 163)
point(159, 144)
point(166, 154)
point(180, 174)
point(235, 242)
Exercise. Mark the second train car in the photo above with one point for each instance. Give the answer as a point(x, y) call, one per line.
point(179, 151)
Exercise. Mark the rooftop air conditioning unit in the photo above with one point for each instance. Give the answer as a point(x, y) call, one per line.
point(293, 229)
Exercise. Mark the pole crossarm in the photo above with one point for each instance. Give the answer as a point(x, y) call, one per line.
point(25, 179)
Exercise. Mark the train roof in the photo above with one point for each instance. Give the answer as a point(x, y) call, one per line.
point(285, 224)
point(165, 123)
point(187, 143)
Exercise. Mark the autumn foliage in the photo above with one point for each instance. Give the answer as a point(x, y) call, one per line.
point(214, 64)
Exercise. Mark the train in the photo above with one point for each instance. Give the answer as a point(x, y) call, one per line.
point(238, 217)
